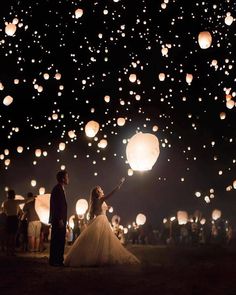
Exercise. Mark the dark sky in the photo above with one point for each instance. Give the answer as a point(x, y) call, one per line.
point(95, 54)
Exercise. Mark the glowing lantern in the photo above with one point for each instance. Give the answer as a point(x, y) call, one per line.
point(1, 86)
point(71, 134)
point(71, 221)
point(38, 153)
point(142, 151)
point(16, 81)
point(54, 116)
point(102, 143)
point(110, 210)
point(189, 78)
point(33, 182)
point(182, 217)
point(222, 115)
point(198, 194)
point(7, 162)
point(6, 152)
point(81, 206)
point(91, 128)
point(229, 19)
point(121, 121)
point(155, 128)
point(216, 214)
point(62, 146)
point(107, 98)
point(79, 12)
point(230, 104)
point(234, 184)
point(214, 62)
point(57, 76)
point(130, 172)
point(19, 149)
point(42, 207)
point(140, 219)
point(132, 78)
point(204, 39)
point(42, 190)
point(10, 29)
point(162, 77)
point(202, 221)
point(7, 100)
point(19, 197)
point(46, 76)
point(164, 51)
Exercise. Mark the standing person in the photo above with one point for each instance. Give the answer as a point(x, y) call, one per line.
point(58, 218)
point(11, 208)
point(97, 245)
point(34, 225)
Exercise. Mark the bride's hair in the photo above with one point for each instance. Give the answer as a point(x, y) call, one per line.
point(92, 202)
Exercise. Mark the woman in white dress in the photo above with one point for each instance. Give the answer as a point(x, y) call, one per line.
point(97, 245)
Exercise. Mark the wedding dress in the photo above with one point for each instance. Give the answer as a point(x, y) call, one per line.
point(97, 245)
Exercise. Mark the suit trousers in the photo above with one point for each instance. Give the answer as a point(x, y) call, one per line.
point(57, 245)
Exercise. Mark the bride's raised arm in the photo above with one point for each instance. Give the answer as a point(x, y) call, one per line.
point(114, 190)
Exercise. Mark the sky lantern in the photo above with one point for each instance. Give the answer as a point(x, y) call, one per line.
point(79, 12)
point(121, 121)
point(142, 151)
point(222, 115)
point(42, 205)
point(33, 182)
point(7, 162)
point(46, 76)
point(42, 190)
point(38, 153)
point(19, 149)
point(71, 134)
point(107, 98)
point(10, 29)
point(19, 197)
point(234, 184)
point(81, 206)
point(155, 128)
point(202, 221)
point(229, 19)
point(204, 39)
point(57, 76)
point(102, 143)
point(230, 104)
point(1, 86)
point(132, 78)
point(71, 221)
point(91, 128)
point(216, 214)
point(162, 77)
point(182, 217)
point(7, 100)
point(164, 51)
point(189, 78)
point(16, 81)
point(140, 219)
point(130, 172)
point(62, 146)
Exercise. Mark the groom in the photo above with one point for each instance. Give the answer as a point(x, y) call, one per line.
point(58, 218)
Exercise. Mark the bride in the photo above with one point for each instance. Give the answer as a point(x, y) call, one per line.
point(97, 245)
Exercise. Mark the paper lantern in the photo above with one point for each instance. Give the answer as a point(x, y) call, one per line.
point(164, 51)
point(38, 153)
point(102, 143)
point(62, 146)
point(33, 182)
point(189, 78)
point(42, 207)
point(229, 19)
point(162, 77)
point(107, 98)
point(71, 221)
point(132, 78)
point(81, 206)
point(234, 184)
point(79, 12)
point(91, 128)
point(182, 217)
point(142, 151)
point(7, 100)
point(19, 149)
point(216, 214)
point(204, 39)
point(10, 29)
point(214, 62)
point(121, 121)
point(230, 104)
point(130, 172)
point(71, 134)
point(42, 190)
point(57, 76)
point(7, 162)
point(16, 81)
point(155, 128)
point(46, 76)
point(140, 219)
point(202, 221)
point(222, 115)
point(110, 210)
point(6, 152)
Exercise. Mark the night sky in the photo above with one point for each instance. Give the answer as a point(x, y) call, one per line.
point(95, 54)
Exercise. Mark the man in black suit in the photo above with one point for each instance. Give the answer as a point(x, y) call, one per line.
point(58, 218)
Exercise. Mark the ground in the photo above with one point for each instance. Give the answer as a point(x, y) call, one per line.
point(164, 270)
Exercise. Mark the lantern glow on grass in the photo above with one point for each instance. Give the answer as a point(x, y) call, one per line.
point(42, 205)
point(142, 151)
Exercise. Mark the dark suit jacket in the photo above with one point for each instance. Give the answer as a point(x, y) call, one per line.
point(58, 205)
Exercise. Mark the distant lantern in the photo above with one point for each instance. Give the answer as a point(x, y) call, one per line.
point(79, 12)
point(222, 115)
point(132, 78)
point(7, 100)
point(38, 153)
point(62, 146)
point(202, 221)
point(10, 29)
point(142, 151)
point(6, 152)
point(214, 62)
point(234, 184)
point(162, 77)
point(230, 104)
point(140, 219)
point(216, 214)
point(130, 172)
point(71, 221)
point(16, 81)
point(46, 76)
point(7, 162)
point(102, 143)
point(19, 197)
point(110, 210)
point(107, 98)
point(155, 128)
point(164, 51)
point(229, 19)
point(42, 190)
point(19, 149)
point(81, 206)
point(54, 116)
point(121, 121)
point(33, 182)
point(204, 39)
point(198, 194)
point(71, 134)
point(91, 128)
point(57, 76)
point(189, 78)
point(42, 205)
point(182, 217)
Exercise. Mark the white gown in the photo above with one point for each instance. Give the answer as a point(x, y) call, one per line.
point(97, 245)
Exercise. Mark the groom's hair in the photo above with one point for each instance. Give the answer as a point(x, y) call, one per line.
point(61, 175)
